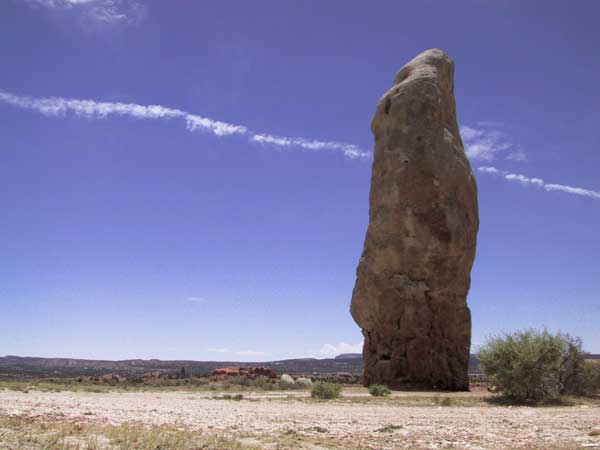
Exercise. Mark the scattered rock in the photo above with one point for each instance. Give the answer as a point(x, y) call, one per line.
point(112, 378)
point(247, 372)
point(152, 375)
point(389, 428)
point(336, 377)
point(414, 273)
point(304, 382)
point(287, 379)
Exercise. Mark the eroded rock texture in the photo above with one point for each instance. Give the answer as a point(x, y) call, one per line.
point(414, 272)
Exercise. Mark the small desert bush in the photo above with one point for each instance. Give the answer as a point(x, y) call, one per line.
point(533, 365)
point(283, 386)
point(379, 390)
point(325, 390)
point(262, 382)
point(443, 401)
point(239, 380)
point(236, 397)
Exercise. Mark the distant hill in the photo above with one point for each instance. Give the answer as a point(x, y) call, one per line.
point(348, 356)
point(11, 366)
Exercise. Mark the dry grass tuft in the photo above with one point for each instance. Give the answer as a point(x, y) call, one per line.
point(34, 433)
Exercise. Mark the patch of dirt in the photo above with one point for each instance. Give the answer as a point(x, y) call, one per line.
point(368, 424)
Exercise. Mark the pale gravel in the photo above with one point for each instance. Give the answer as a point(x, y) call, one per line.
point(260, 414)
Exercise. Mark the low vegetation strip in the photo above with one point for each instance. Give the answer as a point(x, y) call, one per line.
point(27, 433)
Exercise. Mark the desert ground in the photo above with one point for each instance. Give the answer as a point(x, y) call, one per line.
point(32, 419)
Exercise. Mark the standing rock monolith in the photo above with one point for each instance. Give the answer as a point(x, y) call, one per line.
point(414, 273)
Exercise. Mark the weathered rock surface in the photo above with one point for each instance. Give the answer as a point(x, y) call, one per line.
point(414, 273)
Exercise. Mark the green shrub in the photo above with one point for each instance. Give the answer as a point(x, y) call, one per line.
point(590, 378)
point(379, 390)
point(239, 380)
point(533, 365)
point(283, 386)
point(325, 390)
point(442, 401)
point(447, 401)
point(262, 382)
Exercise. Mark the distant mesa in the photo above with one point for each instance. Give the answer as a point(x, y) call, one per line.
point(33, 367)
point(11, 366)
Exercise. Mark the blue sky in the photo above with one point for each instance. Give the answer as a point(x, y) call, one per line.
point(190, 179)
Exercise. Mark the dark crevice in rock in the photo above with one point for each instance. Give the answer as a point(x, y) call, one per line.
point(388, 105)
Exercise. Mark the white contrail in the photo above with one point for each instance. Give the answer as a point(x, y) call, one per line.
point(538, 182)
point(58, 106)
point(195, 122)
point(572, 190)
point(60, 3)
point(351, 151)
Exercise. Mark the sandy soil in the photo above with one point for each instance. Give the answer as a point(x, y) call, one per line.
point(355, 422)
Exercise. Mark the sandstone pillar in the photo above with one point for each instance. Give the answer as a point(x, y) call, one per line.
point(414, 273)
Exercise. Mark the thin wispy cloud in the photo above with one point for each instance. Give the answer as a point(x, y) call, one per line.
point(517, 156)
point(101, 12)
point(60, 3)
point(251, 353)
point(524, 180)
point(486, 142)
point(332, 350)
point(93, 109)
point(539, 183)
point(198, 300)
point(488, 169)
point(246, 353)
point(218, 350)
point(490, 123)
